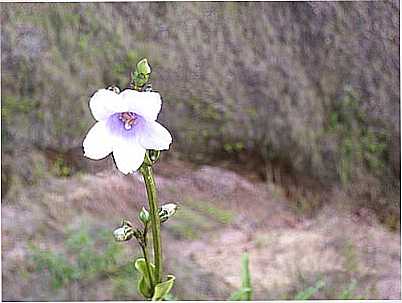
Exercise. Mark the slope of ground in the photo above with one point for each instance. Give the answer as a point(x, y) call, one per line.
point(221, 216)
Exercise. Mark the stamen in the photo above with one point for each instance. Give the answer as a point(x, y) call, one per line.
point(129, 119)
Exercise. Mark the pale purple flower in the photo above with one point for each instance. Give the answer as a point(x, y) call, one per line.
point(126, 127)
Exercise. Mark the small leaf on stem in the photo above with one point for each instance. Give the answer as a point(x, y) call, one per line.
point(144, 284)
point(162, 289)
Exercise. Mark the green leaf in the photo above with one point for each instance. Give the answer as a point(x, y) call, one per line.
point(144, 284)
point(309, 292)
point(141, 74)
point(162, 289)
point(243, 294)
point(141, 266)
point(245, 275)
point(143, 67)
point(144, 288)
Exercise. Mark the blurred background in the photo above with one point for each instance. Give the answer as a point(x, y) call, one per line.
point(285, 119)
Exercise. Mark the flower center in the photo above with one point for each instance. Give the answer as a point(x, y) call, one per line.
point(129, 119)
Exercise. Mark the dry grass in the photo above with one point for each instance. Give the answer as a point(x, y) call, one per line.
point(270, 79)
point(287, 253)
point(302, 95)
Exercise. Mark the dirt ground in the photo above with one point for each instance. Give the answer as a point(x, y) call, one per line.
point(222, 215)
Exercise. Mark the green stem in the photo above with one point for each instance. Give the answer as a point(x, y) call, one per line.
point(145, 253)
point(144, 249)
point(150, 185)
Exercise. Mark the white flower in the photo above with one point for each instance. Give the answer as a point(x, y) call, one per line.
point(126, 127)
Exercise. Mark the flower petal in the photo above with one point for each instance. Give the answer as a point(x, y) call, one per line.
point(145, 104)
point(97, 143)
point(128, 154)
point(154, 136)
point(105, 103)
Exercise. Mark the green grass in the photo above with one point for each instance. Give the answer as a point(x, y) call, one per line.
point(309, 292)
point(89, 256)
point(189, 224)
point(359, 144)
point(196, 217)
point(351, 260)
point(245, 293)
point(321, 289)
point(212, 211)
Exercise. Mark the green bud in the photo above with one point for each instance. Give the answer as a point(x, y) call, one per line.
point(143, 67)
point(140, 76)
point(166, 211)
point(144, 216)
point(124, 232)
point(151, 156)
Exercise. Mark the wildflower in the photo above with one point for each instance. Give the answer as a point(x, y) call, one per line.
point(126, 126)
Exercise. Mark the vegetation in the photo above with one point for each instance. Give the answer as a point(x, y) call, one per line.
point(197, 217)
point(245, 293)
point(88, 257)
point(302, 95)
point(303, 90)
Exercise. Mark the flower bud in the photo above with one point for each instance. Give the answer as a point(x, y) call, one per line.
point(144, 216)
point(124, 232)
point(166, 211)
point(141, 74)
point(154, 155)
point(151, 156)
point(143, 67)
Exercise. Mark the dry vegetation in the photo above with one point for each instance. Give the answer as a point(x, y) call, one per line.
point(301, 98)
point(58, 246)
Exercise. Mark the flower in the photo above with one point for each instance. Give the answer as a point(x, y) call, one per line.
point(126, 127)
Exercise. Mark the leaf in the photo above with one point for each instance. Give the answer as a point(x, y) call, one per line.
point(141, 267)
point(144, 288)
point(309, 292)
point(243, 294)
point(246, 277)
point(143, 67)
point(162, 289)
point(144, 284)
